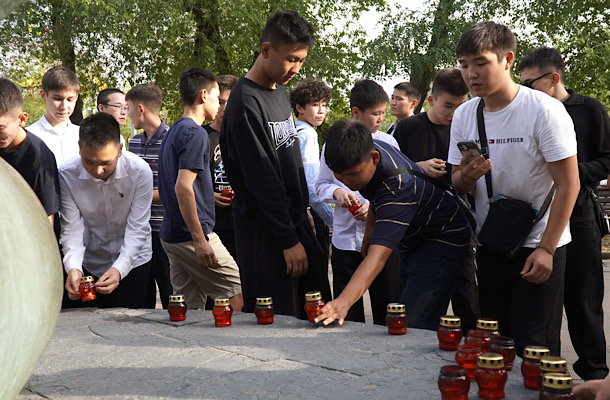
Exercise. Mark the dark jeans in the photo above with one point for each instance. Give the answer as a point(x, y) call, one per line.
point(529, 313)
point(386, 288)
point(322, 234)
point(134, 291)
point(584, 294)
point(160, 271)
point(465, 299)
point(262, 270)
point(429, 278)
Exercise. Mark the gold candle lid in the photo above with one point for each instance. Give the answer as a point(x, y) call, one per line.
point(557, 381)
point(396, 308)
point(491, 360)
point(535, 352)
point(176, 298)
point(451, 321)
point(313, 296)
point(264, 301)
point(86, 279)
point(553, 364)
point(487, 324)
point(221, 301)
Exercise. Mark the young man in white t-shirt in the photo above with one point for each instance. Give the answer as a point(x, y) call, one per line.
point(531, 144)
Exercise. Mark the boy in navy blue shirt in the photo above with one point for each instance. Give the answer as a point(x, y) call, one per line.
point(407, 213)
point(199, 263)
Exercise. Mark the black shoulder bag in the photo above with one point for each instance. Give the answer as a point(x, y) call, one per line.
point(509, 221)
point(442, 185)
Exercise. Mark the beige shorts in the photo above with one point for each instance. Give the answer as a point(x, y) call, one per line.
point(197, 283)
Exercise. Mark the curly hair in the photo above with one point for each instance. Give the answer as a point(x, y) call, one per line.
point(309, 91)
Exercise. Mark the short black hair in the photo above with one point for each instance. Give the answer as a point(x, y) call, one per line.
point(148, 94)
point(11, 100)
point(348, 143)
point(192, 81)
point(486, 36)
point(226, 82)
point(102, 97)
point(308, 91)
point(98, 131)
point(367, 93)
point(449, 80)
point(547, 59)
point(410, 89)
point(288, 27)
point(60, 78)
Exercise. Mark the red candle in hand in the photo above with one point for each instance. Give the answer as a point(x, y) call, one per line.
point(176, 308)
point(86, 289)
point(227, 192)
point(222, 312)
point(264, 310)
point(353, 208)
point(313, 302)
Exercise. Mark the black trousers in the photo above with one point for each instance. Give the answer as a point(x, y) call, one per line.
point(529, 313)
point(386, 288)
point(465, 299)
point(262, 269)
point(322, 233)
point(134, 291)
point(160, 272)
point(584, 294)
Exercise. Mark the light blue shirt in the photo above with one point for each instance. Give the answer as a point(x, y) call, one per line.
point(310, 152)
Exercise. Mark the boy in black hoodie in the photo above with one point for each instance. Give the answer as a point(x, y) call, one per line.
point(277, 251)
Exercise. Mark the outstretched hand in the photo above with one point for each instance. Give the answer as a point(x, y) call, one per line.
point(333, 310)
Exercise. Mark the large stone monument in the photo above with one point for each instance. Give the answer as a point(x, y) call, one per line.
point(31, 281)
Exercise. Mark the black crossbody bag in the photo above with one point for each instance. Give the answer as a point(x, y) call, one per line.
point(509, 221)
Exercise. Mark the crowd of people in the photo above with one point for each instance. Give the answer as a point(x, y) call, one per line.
point(241, 207)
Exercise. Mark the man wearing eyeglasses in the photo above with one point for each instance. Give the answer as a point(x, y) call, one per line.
point(543, 70)
point(112, 101)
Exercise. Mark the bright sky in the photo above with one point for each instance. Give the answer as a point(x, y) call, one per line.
point(369, 21)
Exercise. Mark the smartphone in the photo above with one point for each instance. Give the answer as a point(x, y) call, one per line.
point(469, 147)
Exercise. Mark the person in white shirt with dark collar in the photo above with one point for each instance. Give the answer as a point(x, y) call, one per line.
point(60, 90)
point(106, 195)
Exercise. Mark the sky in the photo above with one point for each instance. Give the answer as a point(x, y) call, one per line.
point(369, 21)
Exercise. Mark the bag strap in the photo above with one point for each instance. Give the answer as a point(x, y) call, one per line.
point(485, 151)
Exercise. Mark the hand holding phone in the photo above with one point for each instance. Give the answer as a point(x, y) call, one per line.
point(471, 147)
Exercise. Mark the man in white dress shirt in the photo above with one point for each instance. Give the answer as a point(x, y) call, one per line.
point(106, 195)
point(60, 89)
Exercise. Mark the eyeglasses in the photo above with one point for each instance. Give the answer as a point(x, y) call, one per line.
point(530, 83)
point(120, 108)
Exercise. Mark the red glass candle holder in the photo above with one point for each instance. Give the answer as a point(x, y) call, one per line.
point(449, 333)
point(354, 207)
point(489, 325)
point(481, 337)
point(505, 346)
point(264, 310)
point(550, 364)
point(491, 376)
point(86, 289)
point(313, 302)
point(531, 364)
point(176, 308)
point(453, 383)
point(396, 319)
point(227, 192)
point(556, 386)
point(222, 312)
point(466, 356)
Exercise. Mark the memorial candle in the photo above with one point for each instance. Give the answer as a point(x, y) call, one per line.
point(396, 319)
point(264, 310)
point(313, 302)
point(222, 312)
point(449, 333)
point(453, 383)
point(530, 365)
point(491, 376)
point(86, 289)
point(176, 307)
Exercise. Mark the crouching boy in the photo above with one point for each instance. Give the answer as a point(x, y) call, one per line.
point(408, 212)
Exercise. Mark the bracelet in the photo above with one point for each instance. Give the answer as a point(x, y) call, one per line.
point(547, 249)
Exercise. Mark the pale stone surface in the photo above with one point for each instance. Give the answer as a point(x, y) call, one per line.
point(30, 281)
point(140, 354)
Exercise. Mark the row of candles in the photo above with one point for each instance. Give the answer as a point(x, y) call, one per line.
point(486, 356)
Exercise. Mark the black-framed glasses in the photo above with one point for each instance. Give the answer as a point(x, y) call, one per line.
point(120, 108)
point(530, 83)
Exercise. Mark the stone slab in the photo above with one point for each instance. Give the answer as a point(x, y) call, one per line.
point(140, 354)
